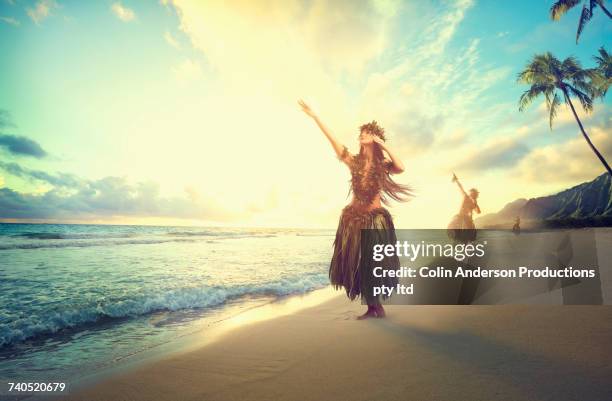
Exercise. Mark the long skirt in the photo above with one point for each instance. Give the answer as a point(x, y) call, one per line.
point(352, 264)
point(462, 229)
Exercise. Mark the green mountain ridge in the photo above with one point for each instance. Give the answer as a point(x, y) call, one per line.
point(586, 204)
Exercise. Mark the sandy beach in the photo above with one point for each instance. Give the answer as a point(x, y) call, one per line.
point(322, 352)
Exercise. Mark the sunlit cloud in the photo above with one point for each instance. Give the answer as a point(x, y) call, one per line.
point(428, 95)
point(10, 21)
point(568, 162)
point(219, 120)
point(188, 70)
point(341, 35)
point(125, 14)
point(171, 40)
point(41, 10)
point(499, 153)
point(72, 197)
point(565, 116)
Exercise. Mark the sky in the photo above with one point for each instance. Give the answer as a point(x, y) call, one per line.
point(185, 112)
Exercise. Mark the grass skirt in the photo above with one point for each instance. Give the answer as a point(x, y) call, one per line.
point(352, 264)
point(461, 229)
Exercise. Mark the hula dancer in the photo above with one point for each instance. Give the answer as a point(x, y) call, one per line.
point(371, 185)
point(461, 228)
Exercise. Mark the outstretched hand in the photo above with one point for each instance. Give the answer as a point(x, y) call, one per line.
point(306, 109)
point(455, 179)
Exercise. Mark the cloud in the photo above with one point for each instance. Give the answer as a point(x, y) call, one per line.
point(41, 10)
point(500, 152)
point(20, 145)
point(10, 21)
point(340, 35)
point(171, 40)
point(541, 35)
point(347, 35)
point(570, 161)
point(5, 119)
point(565, 116)
point(73, 198)
point(188, 70)
point(62, 180)
point(344, 58)
point(123, 13)
point(435, 87)
point(508, 148)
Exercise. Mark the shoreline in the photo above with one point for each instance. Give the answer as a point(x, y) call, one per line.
point(206, 331)
point(502, 352)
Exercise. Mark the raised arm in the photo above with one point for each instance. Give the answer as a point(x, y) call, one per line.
point(397, 166)
point(338, 147)
point(456, 180)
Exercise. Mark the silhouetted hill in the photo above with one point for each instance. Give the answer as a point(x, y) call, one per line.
point(587, 204)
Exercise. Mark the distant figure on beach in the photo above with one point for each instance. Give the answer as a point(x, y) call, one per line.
point(371, 184)
point(516, 228)
point(461, 228)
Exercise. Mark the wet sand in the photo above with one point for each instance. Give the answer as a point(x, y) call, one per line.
point(418, 353)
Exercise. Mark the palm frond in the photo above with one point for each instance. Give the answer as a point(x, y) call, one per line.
point(592, 83)
point(552, 103)
point(585, 16)
point(561, 7)
point(603, 55)
point(585, 100)
point(533, 92)
point(601, 76)
point(572, 69)
point(604, 62)
point(601, 4)
point(598, 83)
point(571, 64)
point(543, 68)
point(526, 99)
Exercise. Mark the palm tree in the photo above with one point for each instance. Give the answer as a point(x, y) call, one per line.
point(550, 77)
point(562, 6)
point(602, 75)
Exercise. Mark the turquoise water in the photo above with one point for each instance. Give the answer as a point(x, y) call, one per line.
point(75, 298)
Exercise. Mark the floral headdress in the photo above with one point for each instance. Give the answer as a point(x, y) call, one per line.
point(374, 129)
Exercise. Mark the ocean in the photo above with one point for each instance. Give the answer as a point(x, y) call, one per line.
point(80, 298)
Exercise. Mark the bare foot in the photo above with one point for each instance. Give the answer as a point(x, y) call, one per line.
point(380, 311)
point(371, 312)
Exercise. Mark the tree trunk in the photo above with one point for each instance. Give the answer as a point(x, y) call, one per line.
point(586, 137)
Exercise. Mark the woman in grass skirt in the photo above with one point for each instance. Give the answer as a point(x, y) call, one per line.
point(461, 229)
point(351, 265)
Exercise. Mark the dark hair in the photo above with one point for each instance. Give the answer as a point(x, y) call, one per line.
point(374, 129)
point(389, 188)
